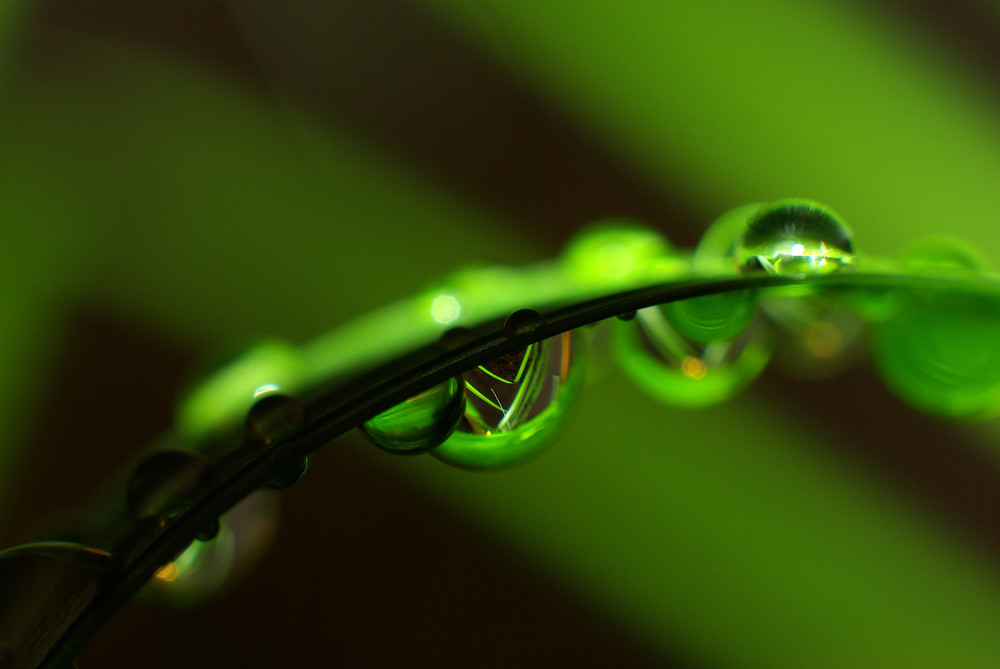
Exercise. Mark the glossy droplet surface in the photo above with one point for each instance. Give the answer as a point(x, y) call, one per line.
point(795, 238)
point(420, 423)
point(684, 372)
point(515, 404)
point(716, 317)
point(274, 417)
point(222, 395)
point(522, 321)
point(941, 351)
point(289, 475)
point(163, 483)
point(206, 568)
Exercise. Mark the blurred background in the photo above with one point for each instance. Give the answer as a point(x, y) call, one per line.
point(178, 176)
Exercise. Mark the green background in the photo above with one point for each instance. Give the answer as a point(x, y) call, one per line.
point(142, 176)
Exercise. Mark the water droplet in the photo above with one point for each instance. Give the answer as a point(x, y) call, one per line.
point(627, 316)
point(420, 423)
point(516, 404)
point(209, 532)
point(940, 350)
point(685, 372)
point(163, 483)
point(289, 475)
point(795, 238)
point(206, 568)
point(223, 395)
point(522, 321)
point(717, 317)
point(274, 417)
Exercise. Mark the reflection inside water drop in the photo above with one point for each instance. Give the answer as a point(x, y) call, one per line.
point(515, 404)
point(795, 238)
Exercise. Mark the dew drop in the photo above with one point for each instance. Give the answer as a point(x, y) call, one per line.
point(207, 567)
point(289, 475)
point(163, 483)
point(209, 532)
point(716, 317)
point(683, 371)
point(221, 396)
point(421, 422)
point(523, 321)
point(516, 404)
point(627, 316)
point(940, 350)
point(274, 417)
point(795, 238)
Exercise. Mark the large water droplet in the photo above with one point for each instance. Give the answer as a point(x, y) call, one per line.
point(795, 238)
point(34, 596)
point(274, 417)
point(685, 372)
point(941, 351)
point(515, 404)
point(163, 483)
point(205, 568)
point(420, 423)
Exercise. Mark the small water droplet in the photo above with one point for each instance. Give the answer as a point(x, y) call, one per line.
point(209, 532)
point(516, 404)
point(205, 568)
point(522, 321)
point(627, 316)
point(274, 417)
point(795, 238)
point(163, 483)
point(289, 475)
point(420, 423)
point(222, 395)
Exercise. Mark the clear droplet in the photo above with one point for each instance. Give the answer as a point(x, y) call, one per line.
point(627, 316)
point(515, 404)
point(162, 485)
point(224, 393)
point(289, 475)
point(716, 317)
point(274, 417)
point(420, 423)
point(206, 568)
point(795, 238)
point(522, 321)
point(685, 372)
point(940, 351)
point(209, 532)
